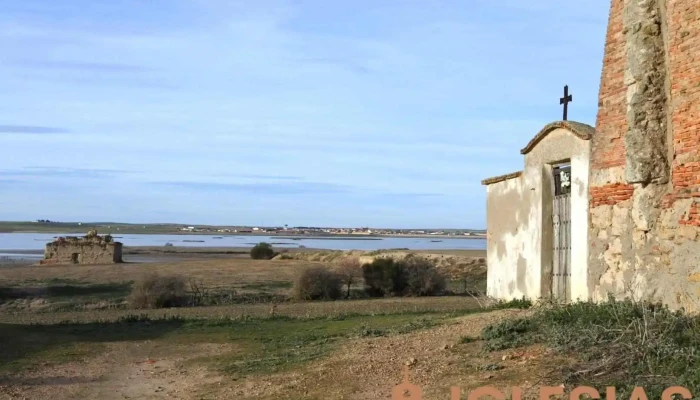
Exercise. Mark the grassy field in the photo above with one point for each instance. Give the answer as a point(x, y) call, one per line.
point(228, 278)
point(76, 317)
point(68, 332)
point(263, 345)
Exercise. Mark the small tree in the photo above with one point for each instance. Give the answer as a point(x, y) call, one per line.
point(383, 276)
point(318, 283)
point(262, 251)
point(412, 276)
point(421, 277)
point(350, 270)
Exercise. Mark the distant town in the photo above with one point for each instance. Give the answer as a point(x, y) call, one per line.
point(332, 231)
point(113, 227)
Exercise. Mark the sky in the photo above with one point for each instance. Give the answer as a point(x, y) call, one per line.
point(385, 114)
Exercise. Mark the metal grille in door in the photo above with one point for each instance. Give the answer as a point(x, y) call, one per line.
point(561, 210)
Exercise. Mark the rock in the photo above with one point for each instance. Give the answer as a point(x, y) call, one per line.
point(411, 362)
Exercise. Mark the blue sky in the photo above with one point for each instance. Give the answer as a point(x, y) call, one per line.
point(300, 112)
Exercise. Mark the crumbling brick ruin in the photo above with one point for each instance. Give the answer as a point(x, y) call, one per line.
point(91, 249)
point(645, 159)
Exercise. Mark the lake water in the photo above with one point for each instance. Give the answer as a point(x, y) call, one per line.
point(37, 241)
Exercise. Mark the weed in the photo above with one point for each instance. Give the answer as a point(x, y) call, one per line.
point(522, 304)
point(489, 367)
point(468, 339)
point(371, 332)
point(616, 343)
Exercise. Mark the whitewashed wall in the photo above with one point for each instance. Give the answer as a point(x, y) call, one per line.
point(579, 225)
point(512, 230)
point(520, 226)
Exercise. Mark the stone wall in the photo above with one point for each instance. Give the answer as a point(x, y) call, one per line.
point(91, 249)
point(645, 162)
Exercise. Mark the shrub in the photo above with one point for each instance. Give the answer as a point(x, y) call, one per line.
point(349, 269)
point(318, 283)
point(412, 276)
point(382, 277)
point(262, 251)
point(156, 291)
point(617, 343)
point(421, 277)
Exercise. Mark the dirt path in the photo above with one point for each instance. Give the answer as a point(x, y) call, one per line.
point(368, 368)
point(365, 368)
point(125, 370)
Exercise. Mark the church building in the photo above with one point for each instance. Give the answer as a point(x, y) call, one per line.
point(537, 229)
point(613, 209)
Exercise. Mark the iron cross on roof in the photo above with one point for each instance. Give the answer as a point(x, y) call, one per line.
point(565, 100)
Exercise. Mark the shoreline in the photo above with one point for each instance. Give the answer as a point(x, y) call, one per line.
point(156, 254)
point(281, 235)
point(194, 250)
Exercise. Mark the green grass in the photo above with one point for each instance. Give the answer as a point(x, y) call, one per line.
point(616, 343)
point(279, 344)
point(263, 345)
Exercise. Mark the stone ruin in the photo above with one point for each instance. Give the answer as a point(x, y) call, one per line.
point(90, 249)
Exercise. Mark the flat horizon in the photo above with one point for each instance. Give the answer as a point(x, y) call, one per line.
point(233, 225)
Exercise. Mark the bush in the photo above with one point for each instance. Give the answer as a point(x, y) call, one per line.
point(262, 251)
point(350, 270)
point(617, 343)
point(422, 278)
point(382, 277)
point(318, 283)
point(412, 276)
point(158, 292)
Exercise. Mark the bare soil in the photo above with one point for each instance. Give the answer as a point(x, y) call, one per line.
point(95, 356)
point(363, 368)
point(369, 368)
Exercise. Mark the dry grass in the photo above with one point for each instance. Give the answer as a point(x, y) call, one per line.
point(297, 310)
point(97, 292)
point(218, 273)
point(55, 318)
